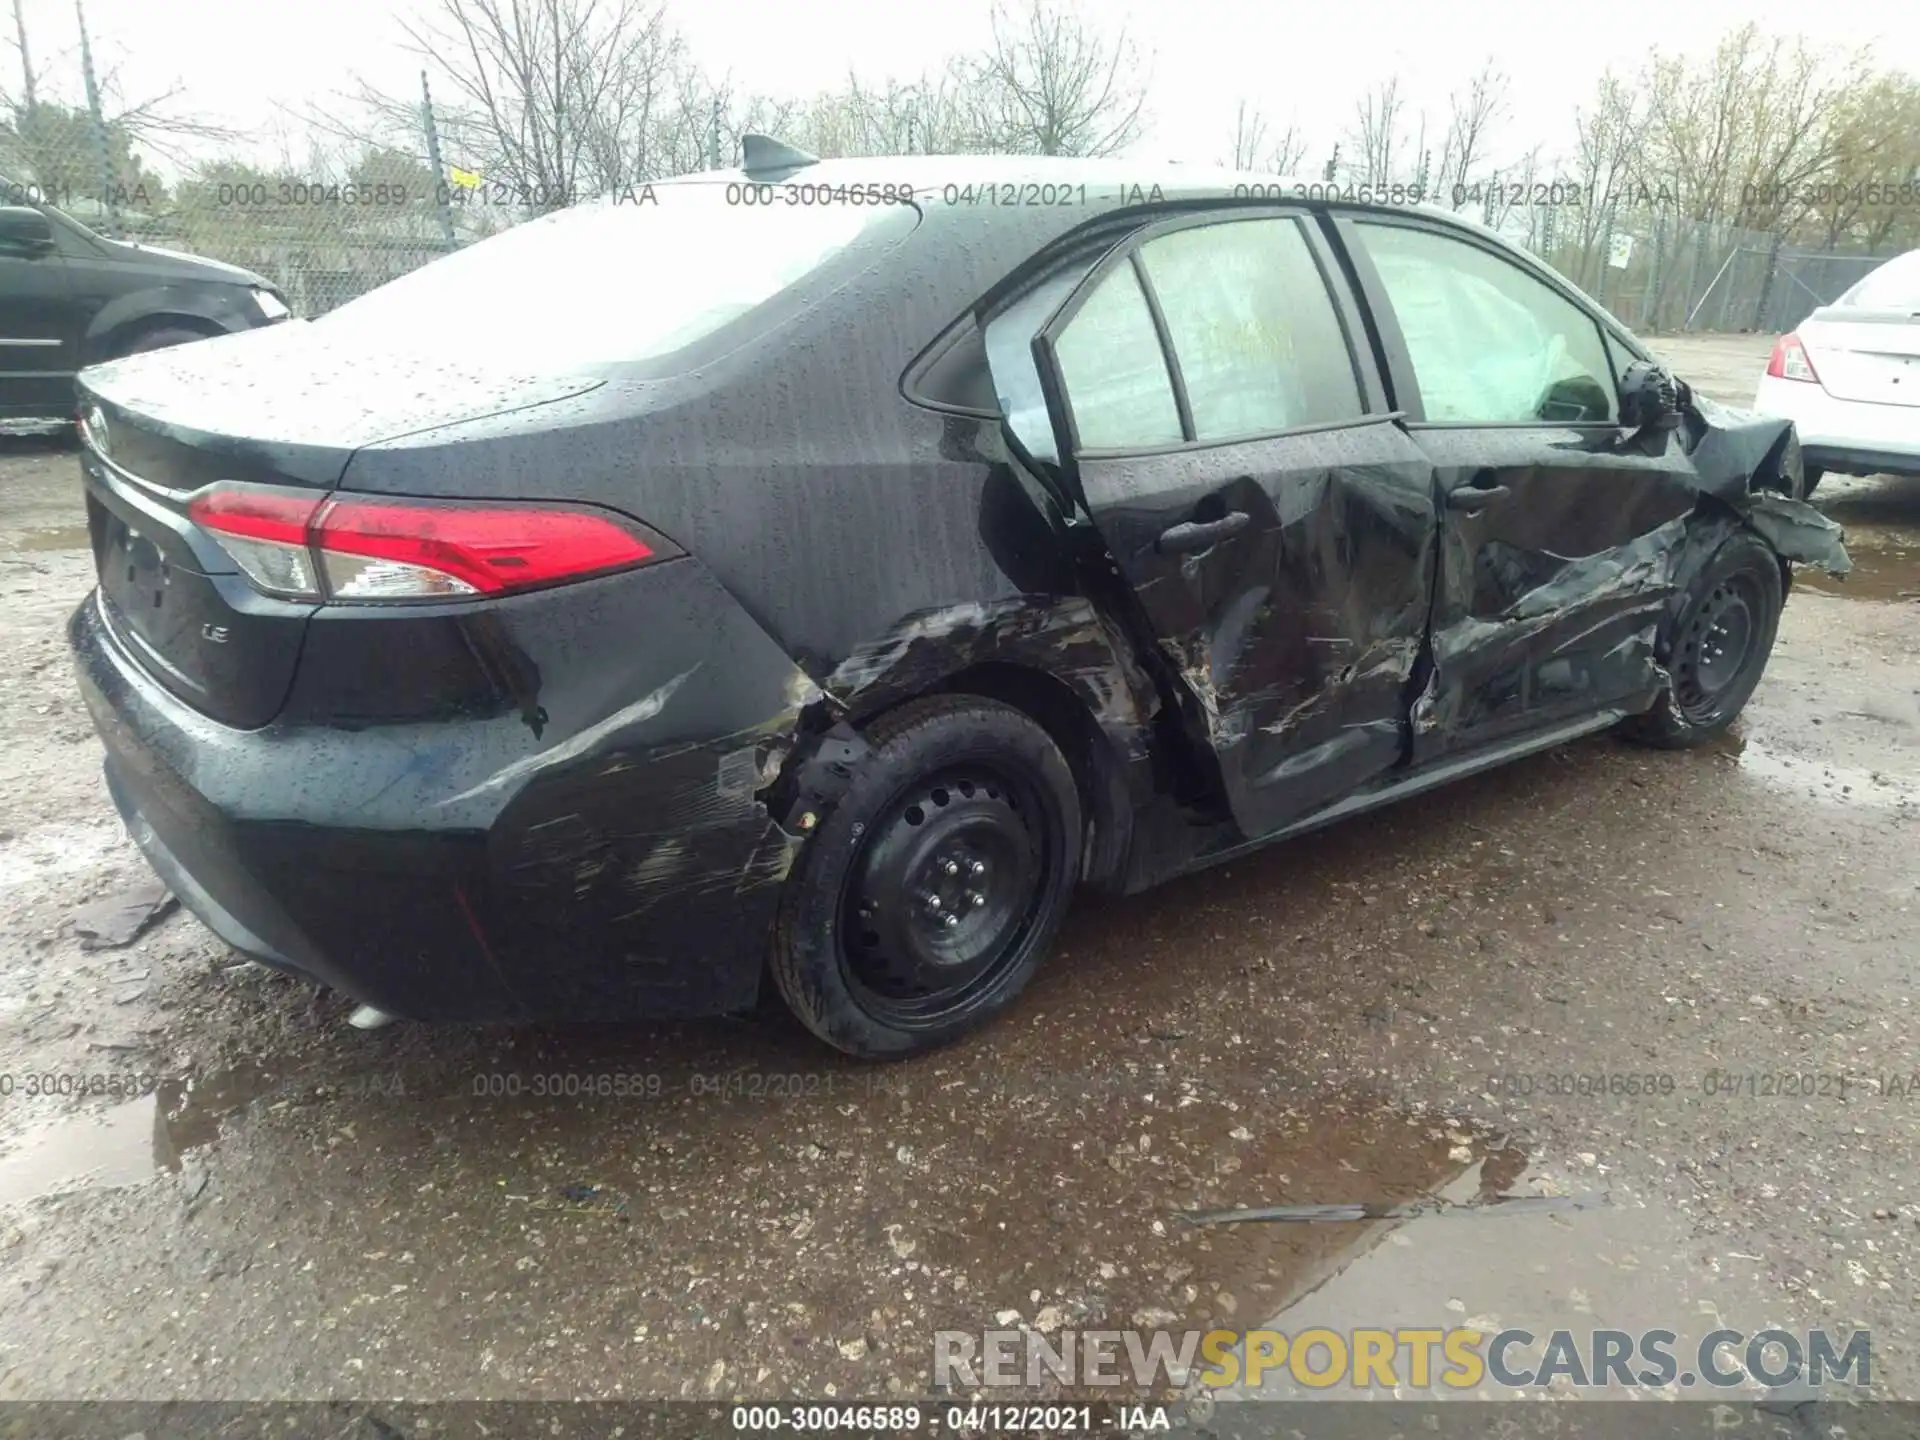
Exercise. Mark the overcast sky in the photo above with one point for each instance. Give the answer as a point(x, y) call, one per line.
point(240, 61)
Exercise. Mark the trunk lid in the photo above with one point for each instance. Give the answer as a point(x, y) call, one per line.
point(1865, 355)
point(281, 406)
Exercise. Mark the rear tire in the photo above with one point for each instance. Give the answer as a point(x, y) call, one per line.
point(1719, 646)
point(924, 902)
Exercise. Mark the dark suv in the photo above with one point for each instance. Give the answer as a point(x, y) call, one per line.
point(70, 298)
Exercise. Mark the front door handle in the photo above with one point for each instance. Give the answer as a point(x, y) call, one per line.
point(1199, 534)
point(1476, 497)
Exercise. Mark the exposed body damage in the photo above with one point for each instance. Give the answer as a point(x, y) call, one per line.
point(1492, 626)
point(518, 874)
point(1059, 654)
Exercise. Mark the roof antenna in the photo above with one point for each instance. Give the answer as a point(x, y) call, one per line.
point(765, 154)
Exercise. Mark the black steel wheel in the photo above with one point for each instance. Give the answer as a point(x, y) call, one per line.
point(941, 893)
point(925, 901)
point(1718, 647)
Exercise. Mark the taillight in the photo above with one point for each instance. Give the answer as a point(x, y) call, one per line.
point(315, 547)
point(265, 531)
point(1789, 360)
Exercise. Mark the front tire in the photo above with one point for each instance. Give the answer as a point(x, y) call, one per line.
point(1719, 648)
point(925, 901)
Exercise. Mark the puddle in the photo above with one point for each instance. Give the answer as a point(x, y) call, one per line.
point(1605, 1260)
point(130, 1143)
point(1876, 575)
point(1853, 786)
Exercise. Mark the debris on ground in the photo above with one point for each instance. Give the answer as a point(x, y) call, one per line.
point(121, 919)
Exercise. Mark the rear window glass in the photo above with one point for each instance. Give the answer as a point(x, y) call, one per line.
point(1894, 286)
point(605, 284)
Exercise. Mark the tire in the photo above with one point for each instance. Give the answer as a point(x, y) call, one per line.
point(159, 339)
point(1719, 646)
point(880, 947)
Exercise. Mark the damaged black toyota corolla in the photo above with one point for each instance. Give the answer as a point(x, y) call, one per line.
point(811, 574)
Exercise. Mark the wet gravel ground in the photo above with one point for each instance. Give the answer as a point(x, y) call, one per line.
point(1414, 1004)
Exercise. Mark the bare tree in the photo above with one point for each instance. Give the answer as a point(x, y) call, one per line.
point(1252, 149)
point(1049, 84)
point(1508, 190)
point(1739, 135)
point(888, 117)
point(1864, 196)
point(1608, 134)
point(27, 98)
point(1472, 116)
point(1375, 136)
point(553, 98)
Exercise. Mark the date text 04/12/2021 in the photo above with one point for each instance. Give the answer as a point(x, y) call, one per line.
point(967, 1419)
point(1724, 1084)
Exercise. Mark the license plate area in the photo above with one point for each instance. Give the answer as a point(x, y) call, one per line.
point(199, 629)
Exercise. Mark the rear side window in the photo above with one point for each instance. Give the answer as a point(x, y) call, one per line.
point(1115, 372)
point(1259, 342)
point(604, 284)
point(1490, 344)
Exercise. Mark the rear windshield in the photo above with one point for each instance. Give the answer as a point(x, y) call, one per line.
point(1894, 286)
point(602, 285)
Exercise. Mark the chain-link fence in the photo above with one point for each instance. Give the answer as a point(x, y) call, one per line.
point(1662, 273)
point(325, 239)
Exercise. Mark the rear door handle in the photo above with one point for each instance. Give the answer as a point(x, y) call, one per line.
point(1199, 534)
point(1476, 497)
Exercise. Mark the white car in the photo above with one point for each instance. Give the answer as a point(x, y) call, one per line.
point(1849, 377)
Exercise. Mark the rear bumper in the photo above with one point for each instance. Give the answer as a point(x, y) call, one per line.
point(1851, 436)
point(625, 872)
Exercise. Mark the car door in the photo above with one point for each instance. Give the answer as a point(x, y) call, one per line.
point(1204, 394)
point(1555, 524)
point(36, 332)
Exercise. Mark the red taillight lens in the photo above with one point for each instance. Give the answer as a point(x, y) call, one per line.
point(1789, 360)
point(265, 531)
point(316, 548)
point(376, 550)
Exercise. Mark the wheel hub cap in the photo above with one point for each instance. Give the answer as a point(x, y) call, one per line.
point(1715, 648)
point(942, 891)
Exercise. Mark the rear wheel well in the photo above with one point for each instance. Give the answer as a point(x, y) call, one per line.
point(1098, 774)
point(118, 341)
point(1713, 509)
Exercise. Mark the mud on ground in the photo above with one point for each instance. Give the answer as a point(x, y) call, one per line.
point(1385, 1011)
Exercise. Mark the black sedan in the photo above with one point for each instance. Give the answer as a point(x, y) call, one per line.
point(811, 575)
point(71, 298)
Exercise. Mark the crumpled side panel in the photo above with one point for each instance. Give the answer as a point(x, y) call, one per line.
point(1591, 624)
point(1065, 636)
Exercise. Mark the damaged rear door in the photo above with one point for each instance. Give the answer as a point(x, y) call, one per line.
point(1209, 407)
point(1558, 529)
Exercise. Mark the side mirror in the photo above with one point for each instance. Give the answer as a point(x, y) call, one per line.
point(25, 228)
point(1650, 397)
